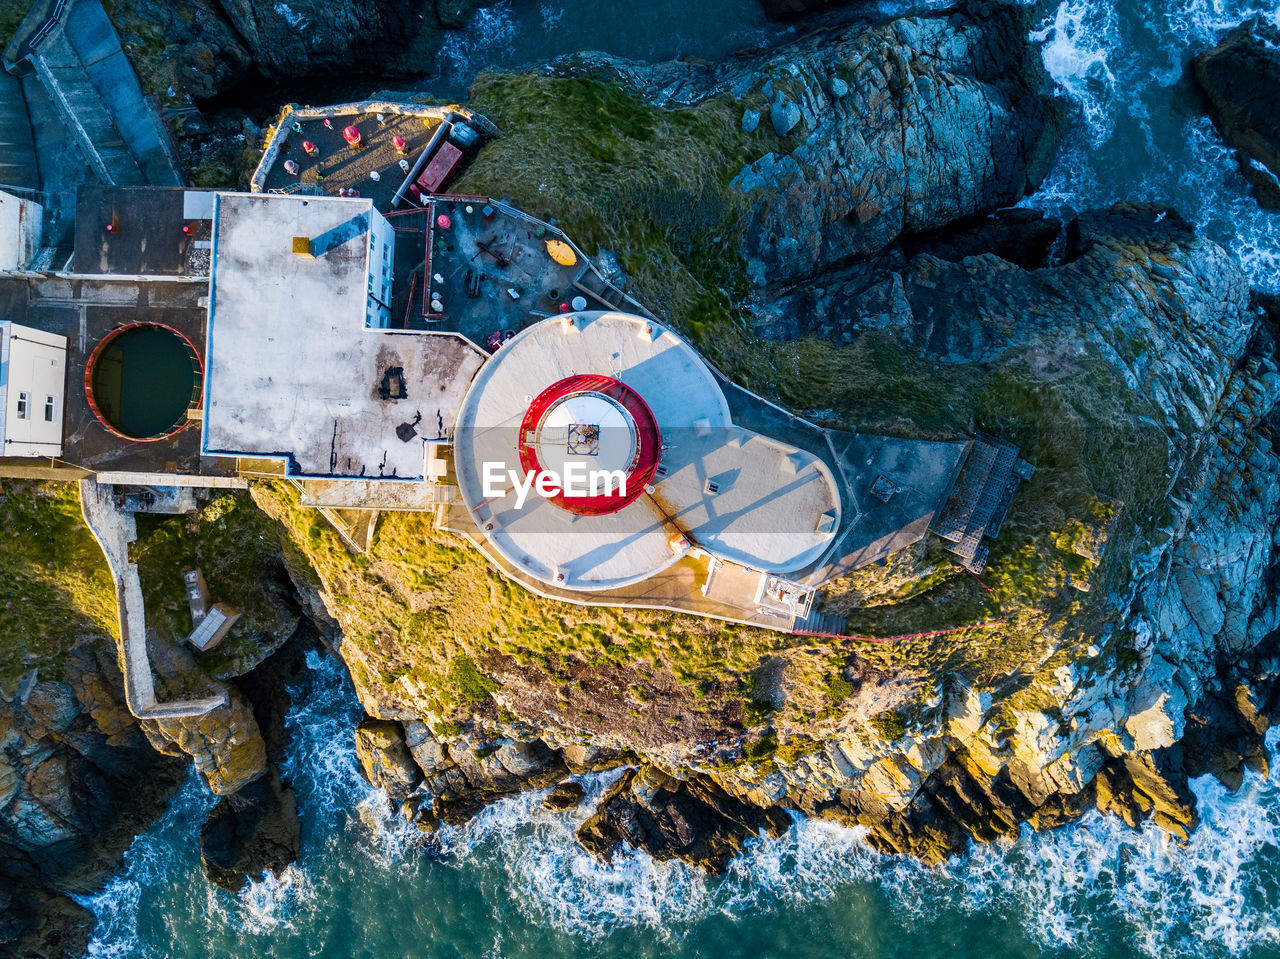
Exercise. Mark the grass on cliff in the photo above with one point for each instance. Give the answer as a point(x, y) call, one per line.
point(57, 587)
point(237, 548)
point(617, 173)
point(425, 608)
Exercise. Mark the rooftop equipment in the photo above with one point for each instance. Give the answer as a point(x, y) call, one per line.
point(442, 166)
point(464, 136)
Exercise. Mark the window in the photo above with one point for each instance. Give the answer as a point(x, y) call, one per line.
point(23, 399)
point(48, 409)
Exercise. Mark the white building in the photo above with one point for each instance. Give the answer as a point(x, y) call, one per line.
point(300, 363)
point(33, 382)
point(20, 231)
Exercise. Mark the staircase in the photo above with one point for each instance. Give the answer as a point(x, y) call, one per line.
point(77, 57)
point(817, 622)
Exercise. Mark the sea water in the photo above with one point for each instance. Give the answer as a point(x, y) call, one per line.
point(513, 882)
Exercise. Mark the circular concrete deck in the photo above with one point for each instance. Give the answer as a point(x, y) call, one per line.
point(554, 545)
point(745, 498)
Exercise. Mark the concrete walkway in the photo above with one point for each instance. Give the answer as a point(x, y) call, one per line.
point(115, 530)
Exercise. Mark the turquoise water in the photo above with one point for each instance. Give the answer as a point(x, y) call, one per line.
point(513, 881)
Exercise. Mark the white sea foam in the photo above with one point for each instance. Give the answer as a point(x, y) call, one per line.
point(551, 15)
point(1213, 897)
point(488, 36)
point(1077, 47)
point(1136, 140)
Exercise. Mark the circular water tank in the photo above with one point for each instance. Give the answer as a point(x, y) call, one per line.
point(142, 379)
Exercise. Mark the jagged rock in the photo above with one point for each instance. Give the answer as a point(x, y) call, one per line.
point(210, 46)
point(1134, 789)
point(590, 758)
point(500, 772)
point(1240, 80)
point(948, 116)
point(944, 118)
point(693, 820)
point(256, 830)
point(385, 759)
point(251, 833)
point(567, 795)
point(78, 780)
point(225, 743)
point(418, 811)
point(470, 778)
point(785, 117)
point(750, 120)
point(454, 810)
point(427, 752)
point(57, 926)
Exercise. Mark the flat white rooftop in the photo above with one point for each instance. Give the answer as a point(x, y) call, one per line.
point(290, 369)
point(732, 492)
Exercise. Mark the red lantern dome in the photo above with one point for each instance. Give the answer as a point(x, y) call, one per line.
point(591, 424)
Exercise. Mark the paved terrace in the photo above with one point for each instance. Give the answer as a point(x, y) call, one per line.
point(682, 587)
point(337, 165)
point(148, 222)
point(746, 498)
point(911, 481)
point(489, 271)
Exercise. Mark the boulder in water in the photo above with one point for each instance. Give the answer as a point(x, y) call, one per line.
point(251, 833)
point(693, 820)
point(567, 795)
point(1240, 80)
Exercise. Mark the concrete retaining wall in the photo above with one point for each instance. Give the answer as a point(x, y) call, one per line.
point(115, 530)
point(283, 125)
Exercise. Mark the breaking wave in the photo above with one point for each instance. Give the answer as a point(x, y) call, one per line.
point(1140, 134)
point(514, 879)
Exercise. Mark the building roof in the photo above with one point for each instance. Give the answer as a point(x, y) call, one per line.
point(291, 370)
point(736, 494)
point(147, 236)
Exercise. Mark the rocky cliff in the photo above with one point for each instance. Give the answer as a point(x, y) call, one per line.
point(77, 781)
point(79, 775)
point(1240, 82)
point(820, 220)
point(1131, 578)
point(1122, 637)
point(203, 48)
